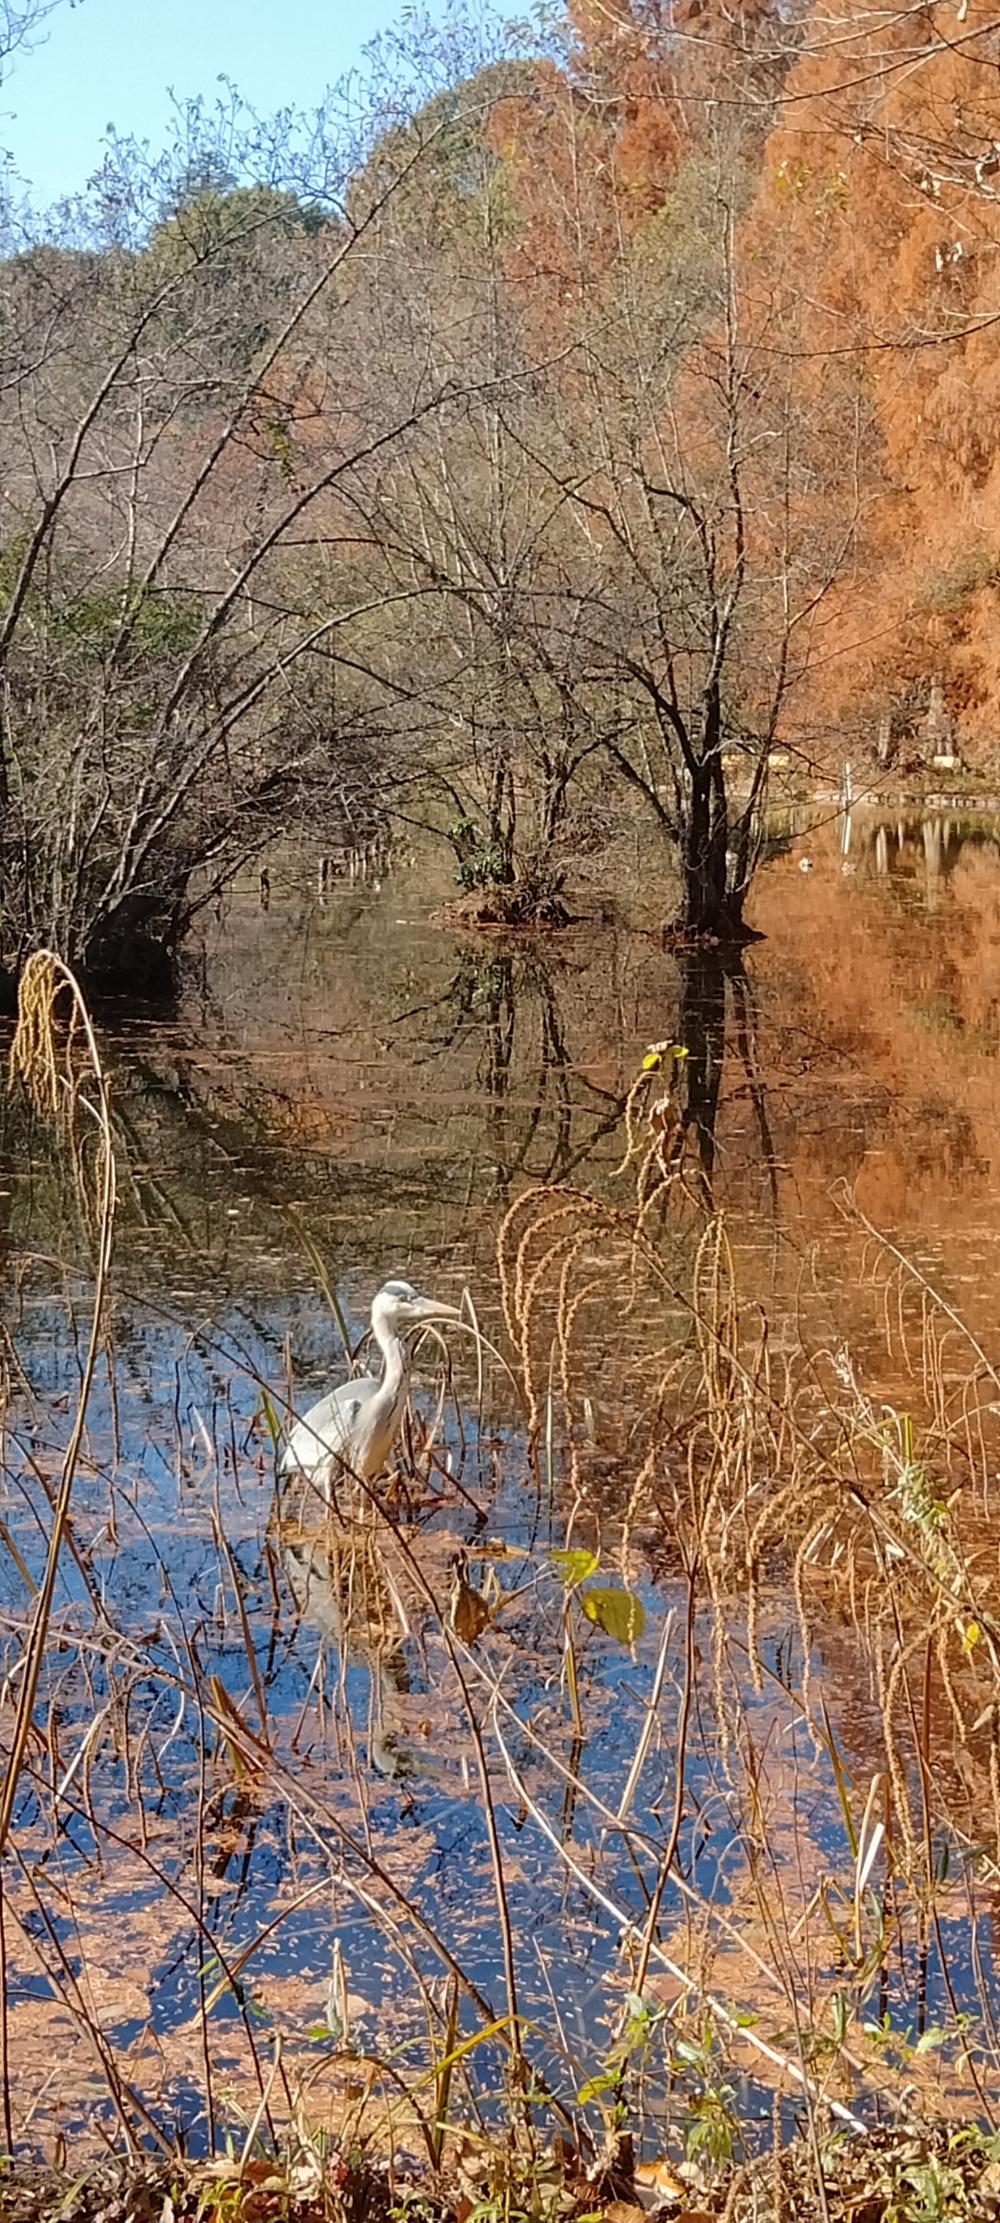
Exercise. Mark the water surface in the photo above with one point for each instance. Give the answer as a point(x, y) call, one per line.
point(350, 1091)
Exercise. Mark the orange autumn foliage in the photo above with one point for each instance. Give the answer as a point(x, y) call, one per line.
point(867, 275)
point(873, 241)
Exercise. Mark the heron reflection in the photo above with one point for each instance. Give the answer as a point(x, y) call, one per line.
point(346, 1590)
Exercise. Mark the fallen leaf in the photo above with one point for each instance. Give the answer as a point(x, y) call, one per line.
point(660, 2177)
point(469, 1611)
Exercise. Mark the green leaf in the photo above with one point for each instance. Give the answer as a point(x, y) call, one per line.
point(575, 1566)
point(271, 1420)
point(931, 2039)
point(618, 1612)
point(652, 1061)
point(591, 2090)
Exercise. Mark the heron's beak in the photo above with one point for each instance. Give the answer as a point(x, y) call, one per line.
point(428, 1308)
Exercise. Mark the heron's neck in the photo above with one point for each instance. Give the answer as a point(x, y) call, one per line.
point(395, 1366)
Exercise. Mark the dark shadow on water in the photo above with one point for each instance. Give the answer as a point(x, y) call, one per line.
point(717, 1022)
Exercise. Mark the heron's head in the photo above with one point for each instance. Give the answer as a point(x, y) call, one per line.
point(398, 1308)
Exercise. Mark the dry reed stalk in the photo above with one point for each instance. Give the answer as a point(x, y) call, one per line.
point(789, 1461)
point(680, 1764)
point(717, 2008)
point(55, 1087)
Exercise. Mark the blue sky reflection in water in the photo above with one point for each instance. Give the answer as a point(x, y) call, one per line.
point(392, 1096)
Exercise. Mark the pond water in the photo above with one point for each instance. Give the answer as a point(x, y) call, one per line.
point(284, 1756)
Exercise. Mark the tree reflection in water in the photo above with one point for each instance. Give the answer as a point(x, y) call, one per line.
point(524, 1068)
point(716, 1007)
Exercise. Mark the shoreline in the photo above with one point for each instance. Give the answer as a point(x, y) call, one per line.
point(902, 2172)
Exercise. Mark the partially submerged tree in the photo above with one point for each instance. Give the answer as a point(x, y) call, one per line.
point(703, 560)
point(606, 577)
point(693, 619)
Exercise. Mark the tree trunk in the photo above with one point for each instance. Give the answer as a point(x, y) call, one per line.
point(711, 906)
point(500, 824)
point(704, 906)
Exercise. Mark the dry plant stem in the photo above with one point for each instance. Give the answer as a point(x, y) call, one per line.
point(569, 1665)
point(680, 1763)
point(716, 2007)
point(8, 2126)
point(43, 977)
point(489, 1811)
point(907, 1267)
point(200, 1887)
point(213, 1946)
point(442, 2090)
point(775, 1925)
point(720, 1358)
point(79, 1561)
point(121, 2093)
point(648, 1726)
point(921, 1735)
point(489, 1815)
point(225, 1549)
point(262, 2108)
point(386, 2069)
point(775, 1459)
point(632, 1836)
point(319, 1820)
point(197, 1911)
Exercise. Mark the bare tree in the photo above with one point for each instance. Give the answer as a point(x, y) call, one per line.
point(620, 570)
point(703, 563)
point(177, 416)
point(19, 27)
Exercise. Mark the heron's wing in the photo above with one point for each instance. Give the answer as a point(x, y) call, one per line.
point(328, 1426)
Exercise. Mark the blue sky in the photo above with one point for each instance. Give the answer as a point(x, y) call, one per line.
point(115, 62)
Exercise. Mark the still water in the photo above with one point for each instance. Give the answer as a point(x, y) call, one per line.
point(257, 1799)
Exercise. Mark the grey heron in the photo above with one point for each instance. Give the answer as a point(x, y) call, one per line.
point(356, 1425)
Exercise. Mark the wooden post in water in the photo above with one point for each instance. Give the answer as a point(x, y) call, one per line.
point(846, 802)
